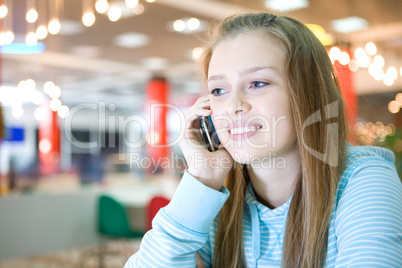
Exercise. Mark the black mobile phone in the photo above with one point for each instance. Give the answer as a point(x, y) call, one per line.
point(209, 133)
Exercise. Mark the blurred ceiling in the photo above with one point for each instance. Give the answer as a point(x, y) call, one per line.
point(88, 65)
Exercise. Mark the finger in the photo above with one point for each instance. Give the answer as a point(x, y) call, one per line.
point(202, 103)
point(194, 139)
point(205, 104)
point(203, 98)
point(191, 133)
point(194, 135)
point(195, 114)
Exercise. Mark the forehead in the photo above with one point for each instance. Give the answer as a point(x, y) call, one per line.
point(247, 50)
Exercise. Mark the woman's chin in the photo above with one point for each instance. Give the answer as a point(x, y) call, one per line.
point(241, 155)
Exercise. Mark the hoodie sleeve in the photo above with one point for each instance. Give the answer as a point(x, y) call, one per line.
point(181, 228)
point(369, 217)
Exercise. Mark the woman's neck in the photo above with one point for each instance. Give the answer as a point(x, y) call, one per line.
point(274, 180)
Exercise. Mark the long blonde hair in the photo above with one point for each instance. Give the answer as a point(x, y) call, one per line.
point(313, 90)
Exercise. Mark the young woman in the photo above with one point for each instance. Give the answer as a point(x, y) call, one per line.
point(285, 188)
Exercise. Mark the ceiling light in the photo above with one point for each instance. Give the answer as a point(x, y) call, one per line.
point(379, 61)
point(349, 24)
point(353, 65)
point(55, 105)
point(131, 40)
point(54, 26)
point(9, 37)
point(30, 84)
point(359, 52)
point(120, 9)
point(393, 73)
point(3, 11)
point(88, 19)
point(344, 58)
point(47, 87)
point(393, 107)
point(31, 39)
point(32, 15)
point(371, 48)
point(21, 84)
point(286, 5)
point(334, 53)
point(131, 3)
point(364, 61)
point(378, 73)
point(197, 52)
point(55, 92)
point(101, 6)
point(114, 13)
point(41, 32)
point(388, 79)
point(398, 98)
point(193, 24)
point(63, 111)
point(139, 9)
point(179, 25)
point(45, 146)
point(187, 25)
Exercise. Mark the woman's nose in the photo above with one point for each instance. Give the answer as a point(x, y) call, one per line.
point(238, 104)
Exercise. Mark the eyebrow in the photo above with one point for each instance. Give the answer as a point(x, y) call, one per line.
point(242, 73)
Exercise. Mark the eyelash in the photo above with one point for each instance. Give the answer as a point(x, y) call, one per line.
point(213, 92)
point(255, 82)
point(253, 85)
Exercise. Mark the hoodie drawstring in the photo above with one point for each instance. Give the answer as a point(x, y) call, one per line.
point(255, 230)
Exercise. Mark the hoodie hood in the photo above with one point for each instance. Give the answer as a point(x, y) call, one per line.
point(355, 153)
point(275, 219)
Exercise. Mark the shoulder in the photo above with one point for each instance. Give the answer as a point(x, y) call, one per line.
point(370, 180)
point(368, 163)
point(368, 218)
point(370, 173)
point(361, 155)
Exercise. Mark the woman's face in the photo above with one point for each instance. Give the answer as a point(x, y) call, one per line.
point(249, 102)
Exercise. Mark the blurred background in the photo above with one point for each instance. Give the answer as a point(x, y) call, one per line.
point(91, 96)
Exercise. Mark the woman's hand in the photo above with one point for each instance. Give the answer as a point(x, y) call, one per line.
point(210, 168)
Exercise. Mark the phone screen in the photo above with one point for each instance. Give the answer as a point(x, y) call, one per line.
point(209, 133)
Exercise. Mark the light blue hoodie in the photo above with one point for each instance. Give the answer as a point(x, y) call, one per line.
point(365, 228)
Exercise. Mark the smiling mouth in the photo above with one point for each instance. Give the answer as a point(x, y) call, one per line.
point(242, 130)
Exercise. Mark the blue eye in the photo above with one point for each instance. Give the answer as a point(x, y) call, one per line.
point(258, 84)
point(217, 91)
